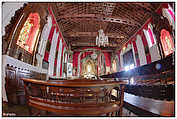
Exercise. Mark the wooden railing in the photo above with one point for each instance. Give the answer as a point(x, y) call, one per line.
point(79, 97)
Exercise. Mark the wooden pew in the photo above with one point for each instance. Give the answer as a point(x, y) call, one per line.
point(147, 107)
point(74, 97)
point(150, 81)
point(14, 86)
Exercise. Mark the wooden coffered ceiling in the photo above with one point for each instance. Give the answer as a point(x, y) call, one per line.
point(80, 21)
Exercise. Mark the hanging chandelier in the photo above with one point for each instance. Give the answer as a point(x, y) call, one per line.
point(101, 39)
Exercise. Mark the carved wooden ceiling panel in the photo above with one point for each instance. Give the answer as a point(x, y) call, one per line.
point(80, 21)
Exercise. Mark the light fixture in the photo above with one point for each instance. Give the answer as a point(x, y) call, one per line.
point(101, 39)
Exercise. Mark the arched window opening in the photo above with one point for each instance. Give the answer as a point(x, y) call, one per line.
point(29, 32)
point(167, 43)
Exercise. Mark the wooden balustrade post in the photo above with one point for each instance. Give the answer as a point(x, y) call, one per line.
point(122, 99)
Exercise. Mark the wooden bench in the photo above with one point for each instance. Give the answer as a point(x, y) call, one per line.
point(14, 86)
point(149, 81)
point(74, 97)
point(149, 107)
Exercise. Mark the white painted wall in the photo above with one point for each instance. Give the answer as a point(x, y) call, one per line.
point(141, 52)
point(8, 11)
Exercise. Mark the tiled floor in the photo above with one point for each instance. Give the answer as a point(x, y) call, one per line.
point(22, 111)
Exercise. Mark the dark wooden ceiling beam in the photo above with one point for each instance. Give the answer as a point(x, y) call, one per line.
point(99, 18)
point(93, 34)
point(120, 11)
point(147, 6)
point(132, 9)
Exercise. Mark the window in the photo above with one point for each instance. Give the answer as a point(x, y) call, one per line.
point(150, 37)
point(167, 43)
point(128, 60)
point(29, 32)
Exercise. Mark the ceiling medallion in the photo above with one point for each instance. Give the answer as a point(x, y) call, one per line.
point(101, 39)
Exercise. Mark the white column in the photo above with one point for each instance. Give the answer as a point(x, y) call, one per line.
point(78, 65)
point(121, 59)
point(63, 61)
point(59, 58)
point(134, 55)
point(44, 36)
point(141, 52)
point(43, 42)
point(52, 52)
point(154, 52)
